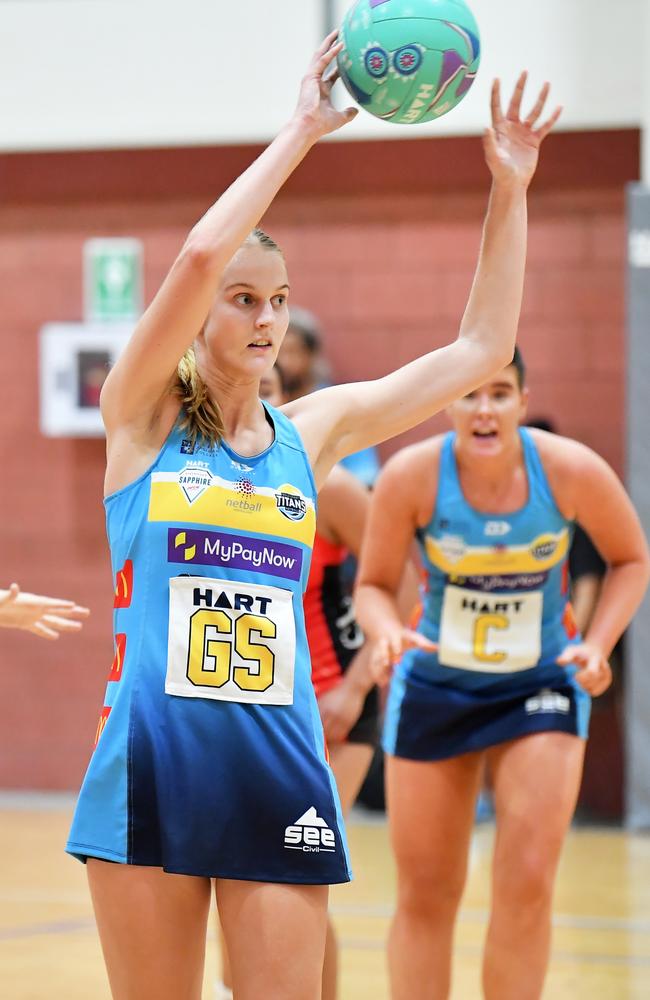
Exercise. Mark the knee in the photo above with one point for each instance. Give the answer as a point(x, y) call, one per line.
point(526, 883)
point(430, 895)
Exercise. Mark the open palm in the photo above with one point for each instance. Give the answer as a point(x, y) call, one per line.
point(512, 144)
point(315, 106)
point(44, 616)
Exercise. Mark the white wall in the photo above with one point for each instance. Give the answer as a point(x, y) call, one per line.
point(106, 73)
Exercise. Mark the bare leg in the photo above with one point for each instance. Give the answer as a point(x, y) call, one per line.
point(275, 937)
point(350, 763)
point(536, 783)
point(152, 928)
point(431, 813)
point(226, 974)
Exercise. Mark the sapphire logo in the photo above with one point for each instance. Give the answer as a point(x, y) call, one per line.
point(452, 547)
point(194, 480)
point(310, 834)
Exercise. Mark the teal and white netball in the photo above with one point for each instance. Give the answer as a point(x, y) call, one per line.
point(409, 61)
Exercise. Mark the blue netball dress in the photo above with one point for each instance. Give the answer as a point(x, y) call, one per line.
point(496, 602)
point(209, 756)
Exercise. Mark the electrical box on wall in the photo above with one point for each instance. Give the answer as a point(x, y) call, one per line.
point(74, 360)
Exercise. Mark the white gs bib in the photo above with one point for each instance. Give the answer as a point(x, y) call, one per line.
point(230, 641)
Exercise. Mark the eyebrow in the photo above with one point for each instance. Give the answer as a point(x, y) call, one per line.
point(245, 284)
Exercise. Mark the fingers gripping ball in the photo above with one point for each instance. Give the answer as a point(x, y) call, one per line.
point(409, 61)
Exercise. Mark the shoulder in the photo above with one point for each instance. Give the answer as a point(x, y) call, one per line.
point(572, 468)
point(416, 459)
point(570, 457)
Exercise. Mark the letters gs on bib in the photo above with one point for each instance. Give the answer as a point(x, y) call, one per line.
point(230, 641)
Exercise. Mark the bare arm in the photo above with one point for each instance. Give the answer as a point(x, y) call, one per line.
point(605, 511)
point(343, 506)
point(584, 596)
point(343, 419)
point(395, 514)
point(343, 509)
point(143, 375)
point(46, 617)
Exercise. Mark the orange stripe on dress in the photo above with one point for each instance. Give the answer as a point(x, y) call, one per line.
point(569, 621)
point(101, 725)
point(118, 660)
point(565, 577)
point(124, 586)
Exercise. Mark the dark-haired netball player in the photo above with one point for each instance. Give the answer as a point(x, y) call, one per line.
point(497, 673)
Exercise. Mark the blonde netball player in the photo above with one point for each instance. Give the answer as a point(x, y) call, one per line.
point(211, 761)
point(497, 671)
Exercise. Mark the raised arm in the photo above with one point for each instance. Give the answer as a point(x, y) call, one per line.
point(343, 419)
point(143, 374)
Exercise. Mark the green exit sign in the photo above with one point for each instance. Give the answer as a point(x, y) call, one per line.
point(112, 280)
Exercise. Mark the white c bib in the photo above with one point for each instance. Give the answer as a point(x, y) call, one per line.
point(496, 633)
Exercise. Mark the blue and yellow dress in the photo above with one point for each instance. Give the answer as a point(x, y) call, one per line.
point(210, 757)
point(496, 601)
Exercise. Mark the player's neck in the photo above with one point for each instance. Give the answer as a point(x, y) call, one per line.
point(491, 479)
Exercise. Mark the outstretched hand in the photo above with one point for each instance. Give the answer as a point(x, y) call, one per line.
point(389, 648)
point(315, 109)
point(512, 144)
point(593, 672)
point(44, 616)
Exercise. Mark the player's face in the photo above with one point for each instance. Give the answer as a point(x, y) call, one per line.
point(297, 361)
point(487, 419)
point(250, 314)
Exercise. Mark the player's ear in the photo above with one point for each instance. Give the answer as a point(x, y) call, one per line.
point(523, 411)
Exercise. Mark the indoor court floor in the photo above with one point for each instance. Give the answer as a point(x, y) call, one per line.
point(49, 947)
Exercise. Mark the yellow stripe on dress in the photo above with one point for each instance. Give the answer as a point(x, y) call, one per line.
point(224, 507)
point(453, 557)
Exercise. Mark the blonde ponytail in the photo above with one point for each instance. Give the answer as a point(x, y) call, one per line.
point(202, 419)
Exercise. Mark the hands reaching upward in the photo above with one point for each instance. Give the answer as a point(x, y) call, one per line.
point(512, 143)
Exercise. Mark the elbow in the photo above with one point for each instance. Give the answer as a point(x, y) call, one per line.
point(201, 255)
point(487, 359)
point(499, 357)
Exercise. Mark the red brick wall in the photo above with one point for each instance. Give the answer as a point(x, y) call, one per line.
point(381, 241)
